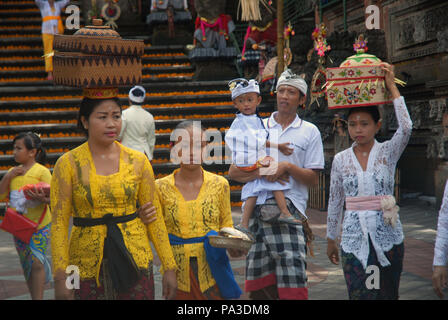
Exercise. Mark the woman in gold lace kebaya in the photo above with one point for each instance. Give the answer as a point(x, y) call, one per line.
point(196, 203)
point(99, 183)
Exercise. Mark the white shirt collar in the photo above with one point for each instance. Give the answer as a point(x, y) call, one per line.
point(272, 123)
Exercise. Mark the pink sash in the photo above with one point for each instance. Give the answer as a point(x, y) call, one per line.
point(366, 203)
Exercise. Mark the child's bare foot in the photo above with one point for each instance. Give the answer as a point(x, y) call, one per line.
point(266, 161)
point(244, 225)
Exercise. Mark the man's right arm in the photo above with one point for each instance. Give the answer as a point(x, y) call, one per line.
point(243, 176)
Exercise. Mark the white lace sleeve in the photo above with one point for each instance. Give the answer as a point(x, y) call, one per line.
point(336, 200)
point(401, 137)
point(441, 247)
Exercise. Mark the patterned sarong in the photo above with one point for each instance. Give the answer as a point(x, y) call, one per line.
point(142, 290)
point(277, 258)
point(195, 293)
point(389, 276)
point(35, 250)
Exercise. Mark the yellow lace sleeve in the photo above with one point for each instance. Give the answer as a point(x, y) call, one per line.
point(224, 206)
point(61, 210)
point(46, 176)
point(3, 196)
point(157, 231)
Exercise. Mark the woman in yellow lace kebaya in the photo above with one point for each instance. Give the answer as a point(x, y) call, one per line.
point(195, 204)
point(99, 183)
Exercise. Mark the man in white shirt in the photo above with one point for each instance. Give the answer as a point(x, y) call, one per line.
point(275, 265)
point(138, 130)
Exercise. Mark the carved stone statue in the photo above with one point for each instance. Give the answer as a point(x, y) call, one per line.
point(213, 52)
point(259, 44)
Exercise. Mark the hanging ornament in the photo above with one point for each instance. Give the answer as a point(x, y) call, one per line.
point(319, 78)
point(111, 12)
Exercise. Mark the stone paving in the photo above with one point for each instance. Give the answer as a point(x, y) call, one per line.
point(325, 280)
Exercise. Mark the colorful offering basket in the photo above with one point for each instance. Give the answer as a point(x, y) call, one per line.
point(96, 56)
point(359, 81)
point(356, 86)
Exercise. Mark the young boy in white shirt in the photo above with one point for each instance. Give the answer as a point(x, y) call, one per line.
point(247, 139)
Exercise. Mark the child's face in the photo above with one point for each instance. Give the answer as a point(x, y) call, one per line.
point(247, 103)
point(21, 153)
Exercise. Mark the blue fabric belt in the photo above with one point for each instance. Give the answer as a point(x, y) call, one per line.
point(219, 264)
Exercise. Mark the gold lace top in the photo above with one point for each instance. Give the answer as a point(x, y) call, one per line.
point(37, 173)
point(76, 190)
point(195, 218)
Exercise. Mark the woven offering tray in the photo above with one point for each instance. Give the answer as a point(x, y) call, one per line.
point(230, 243)
point(359, 81)
point(96, 56)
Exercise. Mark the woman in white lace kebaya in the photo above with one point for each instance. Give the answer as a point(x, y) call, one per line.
point(439, 276)
point(363, 177)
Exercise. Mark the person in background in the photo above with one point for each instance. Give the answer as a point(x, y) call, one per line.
point(138, 130)
point(439, 275)
point(51, 24)
point(28, 152)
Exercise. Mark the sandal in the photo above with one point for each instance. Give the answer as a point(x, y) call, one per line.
point(289, 219)
point(245, 231)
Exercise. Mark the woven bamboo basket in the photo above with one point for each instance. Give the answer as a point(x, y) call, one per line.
point(230, 243)
point(96, 56)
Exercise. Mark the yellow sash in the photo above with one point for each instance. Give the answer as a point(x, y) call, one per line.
point(60, 25)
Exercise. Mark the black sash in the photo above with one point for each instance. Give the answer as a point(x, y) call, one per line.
point(120, 264)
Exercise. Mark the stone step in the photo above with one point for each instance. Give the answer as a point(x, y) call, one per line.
point(26, 41)
point(38, 61)
point(165, 49)
point(56, 117)
point(21, 31)
point(149, 100)
point(145, 71)
point(162, 139)
point(14, 4)
point(71, 127)
point(38, 51)
point(167, 87)
point(4, 5)
point(12, 21)
point(19, 14)
point(30, 81)
point(26, 52)
point(200, 112)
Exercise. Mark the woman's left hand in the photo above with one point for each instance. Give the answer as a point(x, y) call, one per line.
point(147, 213)
point(389, 78)
point(169, 285)
point(39, 195)
point(439, 280)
